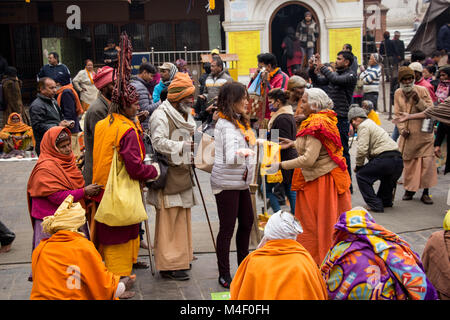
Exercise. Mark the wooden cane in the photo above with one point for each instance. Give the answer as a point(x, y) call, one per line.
point(204, 207)
point(149, 243)
point(253, 190)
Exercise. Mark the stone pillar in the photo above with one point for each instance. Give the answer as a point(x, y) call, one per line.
point(368, 16)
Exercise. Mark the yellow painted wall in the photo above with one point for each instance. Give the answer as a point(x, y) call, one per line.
point(247, 45)
point(339, 37)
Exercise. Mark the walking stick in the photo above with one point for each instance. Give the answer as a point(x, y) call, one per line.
point(204, 207)
point(149, 244)
point(253, 190)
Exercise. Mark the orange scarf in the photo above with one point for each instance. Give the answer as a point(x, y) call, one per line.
point(54, 171)
point(323, 126)
point(75, 94)
point(247, 132)
point(89, 75)
point(15, 127)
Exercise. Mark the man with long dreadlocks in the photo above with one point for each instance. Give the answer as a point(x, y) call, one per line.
point(119, 245)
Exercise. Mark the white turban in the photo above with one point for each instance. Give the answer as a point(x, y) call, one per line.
point(281, 225)
point(320, 98)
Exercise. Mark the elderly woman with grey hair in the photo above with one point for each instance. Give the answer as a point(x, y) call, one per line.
point(320, 177)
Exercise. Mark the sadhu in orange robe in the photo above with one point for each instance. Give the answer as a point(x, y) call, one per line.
point(280, 270)
point(68, 267)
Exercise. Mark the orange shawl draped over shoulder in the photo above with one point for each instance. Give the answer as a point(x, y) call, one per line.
point(323, 126)
point(280, 270)
point(80, 109)
point(16, 127)
point(68, 267)
point(53, 171)
point(107, 137)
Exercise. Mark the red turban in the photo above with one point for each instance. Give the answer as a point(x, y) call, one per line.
point(103, 77)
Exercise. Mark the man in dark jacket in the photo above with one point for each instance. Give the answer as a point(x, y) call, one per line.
point(400, 48)
point(68, 101)
point(389, 52)
point(53, 68)
point(443, 38)
point(142, 83)
point(110, 54)
point(341, 85)
point(45, 112)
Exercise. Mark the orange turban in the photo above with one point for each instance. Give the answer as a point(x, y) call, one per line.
point(180, 87)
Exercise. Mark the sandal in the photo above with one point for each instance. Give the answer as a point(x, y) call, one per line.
point(140, 265)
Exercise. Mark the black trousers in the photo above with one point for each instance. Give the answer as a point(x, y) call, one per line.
point(372, 96)
point(344, 128)
point(6, 235)
point(232, 205)
point(388, 171)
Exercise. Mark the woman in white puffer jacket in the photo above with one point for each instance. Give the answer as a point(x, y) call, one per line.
point(232, 174)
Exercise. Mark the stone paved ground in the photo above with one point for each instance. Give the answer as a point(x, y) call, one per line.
point(412, 220)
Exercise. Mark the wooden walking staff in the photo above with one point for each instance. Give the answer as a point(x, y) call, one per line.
point(255, 235)
point(149, 243)
point(204, 207)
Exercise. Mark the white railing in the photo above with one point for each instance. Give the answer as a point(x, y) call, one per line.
point(157, 58)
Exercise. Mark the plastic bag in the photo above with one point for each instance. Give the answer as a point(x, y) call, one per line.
point(122, 203)
point(271, 155)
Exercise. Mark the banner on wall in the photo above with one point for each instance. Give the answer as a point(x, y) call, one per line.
point(247, 45)
point(137, 59)
point(339, 37)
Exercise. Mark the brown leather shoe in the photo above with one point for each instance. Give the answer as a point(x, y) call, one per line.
point(426, 199)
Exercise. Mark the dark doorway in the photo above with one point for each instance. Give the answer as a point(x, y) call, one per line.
point(5, 49)
point(288, 15)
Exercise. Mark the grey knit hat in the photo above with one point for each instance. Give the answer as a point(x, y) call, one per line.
point(356, 112)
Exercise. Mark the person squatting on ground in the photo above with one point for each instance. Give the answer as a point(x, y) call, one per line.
point(368, 262)
point(67, 266)
point(54, 177)
point(385, 161)
point(280, 268)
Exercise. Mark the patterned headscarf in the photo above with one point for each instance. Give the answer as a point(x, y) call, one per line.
point(369, 262)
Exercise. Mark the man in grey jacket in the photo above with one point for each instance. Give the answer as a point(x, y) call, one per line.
point(385, 161)
point(215, 80)
point(142, 84)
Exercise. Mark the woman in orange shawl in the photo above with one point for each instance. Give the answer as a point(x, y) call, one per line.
point(320, 178)
point(280, 268)
point(16, 135)
point(54, 177)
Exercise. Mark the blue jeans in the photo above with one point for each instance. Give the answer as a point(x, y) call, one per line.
point(291, 195)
